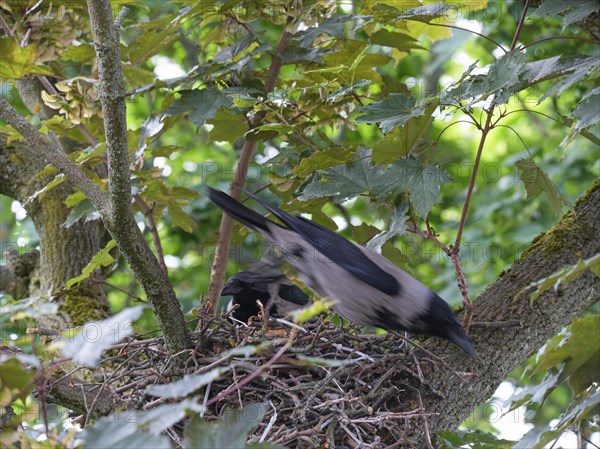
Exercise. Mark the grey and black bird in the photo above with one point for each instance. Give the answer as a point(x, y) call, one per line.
point(277, 294)
point(366, 288)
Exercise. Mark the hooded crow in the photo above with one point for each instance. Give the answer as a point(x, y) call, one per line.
point(366, 288)
point(276, 293)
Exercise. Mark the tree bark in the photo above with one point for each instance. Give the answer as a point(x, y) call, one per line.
point(500, 350)
point(64, 252)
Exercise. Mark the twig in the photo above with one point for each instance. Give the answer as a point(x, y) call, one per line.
point(43, 331)
point(520, 25)
point(122, 14)
point(497, 324)
point(219, 266)
point(577, 38)
point(469, 31)
point(5, 27)
point(235, 386)
point(122, 290)
point(455, 250)
point(484, 133)
point(149, 214)
point(464, 289)
point(270, 424)
point(235, 381)
point(429, 235)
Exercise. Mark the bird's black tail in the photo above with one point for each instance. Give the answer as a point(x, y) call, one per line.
point(238, 211)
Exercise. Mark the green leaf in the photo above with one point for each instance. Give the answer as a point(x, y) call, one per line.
point(401, 141)
point(320, 160)
point(14, 376)
point(347, 90)
point(536, 182)
point(541, 435)
point(230, 432)
point(58, 180)
point(588, 113)
point(427, 13)
point(202, 105)
point(390, 113)
point(78, 53)
point(347, 181)
point(421, 181)
point(60, 125)
point(17, 61)
point(159, 419)
point(572, 70)
point(86, 347)
point(228, 127)
point(120, 431)
point(572, 11)
point(187, 385)
point(295, 54)
point(562, 276)
point(575, 349)
point(363, 233)
point(535, 393)
point(580, 10)
point(268, 131)
point(83, 210)
point(397, 227)
point(157, 35)
point(183, 193)
point(502, 81)
point(350, 63)
point(74, 198)
point(401, 41)
point(333, 26)
point(317, 307)
point(475, 439)
point(180, 218)
point(102, 259)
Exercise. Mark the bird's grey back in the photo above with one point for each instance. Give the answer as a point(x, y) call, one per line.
point(354, 299)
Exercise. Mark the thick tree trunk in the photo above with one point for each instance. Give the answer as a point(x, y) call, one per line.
point(64, 252)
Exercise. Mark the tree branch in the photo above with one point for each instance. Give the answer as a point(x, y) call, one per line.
point(56, 157)
point(120, 221)
point(502, 348)
point(219, 266)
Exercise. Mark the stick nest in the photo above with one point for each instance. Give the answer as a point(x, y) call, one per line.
point(327, 386)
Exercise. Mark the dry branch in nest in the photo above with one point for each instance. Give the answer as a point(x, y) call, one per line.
point(327, 385)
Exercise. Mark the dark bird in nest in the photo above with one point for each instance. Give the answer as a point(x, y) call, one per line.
point(275, 292)
point(366, 288)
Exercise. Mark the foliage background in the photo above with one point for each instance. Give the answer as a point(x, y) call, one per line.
point(194, 69)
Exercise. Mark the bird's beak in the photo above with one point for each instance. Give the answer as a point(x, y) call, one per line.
point(230, 290)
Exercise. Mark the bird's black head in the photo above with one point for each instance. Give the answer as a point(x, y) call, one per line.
point(246, 283)
point(437, 320)
point(245, 291)
point(441, 322)
point(234, 286)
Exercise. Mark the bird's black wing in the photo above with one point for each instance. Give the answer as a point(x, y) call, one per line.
point(337, 249)
point(293, 294)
